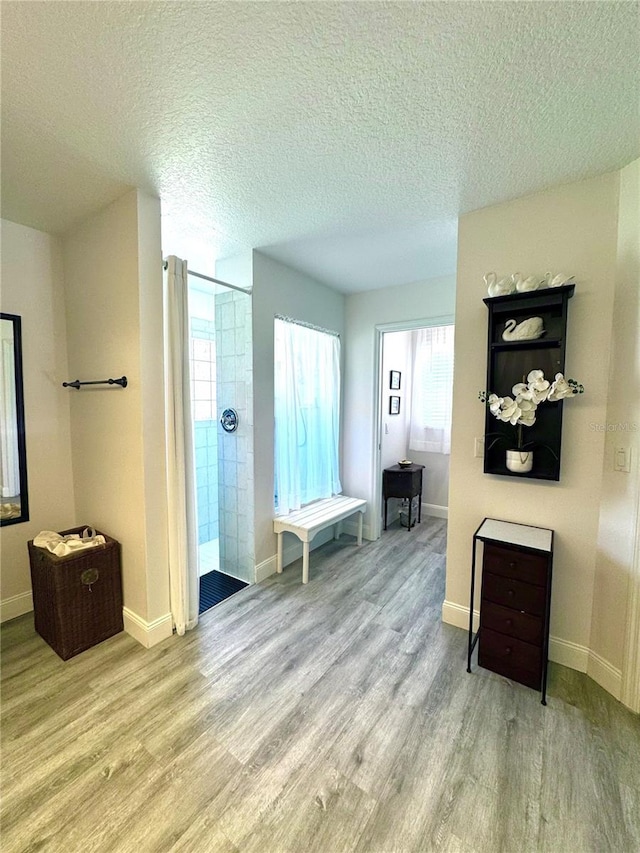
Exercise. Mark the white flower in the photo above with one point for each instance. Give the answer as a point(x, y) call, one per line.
point(540, 396)
point(527, 411)
point(538, 386)
point(521, 391)
point(495, 403)
point(526, 405)
point(560, 389)
point(510, 411)
point(521, 408)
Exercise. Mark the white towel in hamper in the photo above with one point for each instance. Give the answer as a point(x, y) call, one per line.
point(63, 545)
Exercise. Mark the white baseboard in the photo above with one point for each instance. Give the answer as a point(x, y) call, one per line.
point(16, 605)
point(561, 651)
point(458, 616)
point(266, 568)
point(146, 633)
point(435, 510)
point(604, 674)
point(351, 527)
point(568, 654)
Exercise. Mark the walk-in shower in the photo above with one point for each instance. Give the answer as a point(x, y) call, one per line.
point(221, 377)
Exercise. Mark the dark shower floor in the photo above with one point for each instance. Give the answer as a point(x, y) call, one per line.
point(215, 587)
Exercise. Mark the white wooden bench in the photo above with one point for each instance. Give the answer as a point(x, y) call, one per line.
point(313, 518)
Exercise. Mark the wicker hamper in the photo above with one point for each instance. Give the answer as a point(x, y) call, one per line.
point(77, 599)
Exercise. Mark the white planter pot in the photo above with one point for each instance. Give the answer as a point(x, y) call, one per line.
point(520, 461)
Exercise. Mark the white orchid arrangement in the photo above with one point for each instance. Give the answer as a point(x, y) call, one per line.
point(520, 410)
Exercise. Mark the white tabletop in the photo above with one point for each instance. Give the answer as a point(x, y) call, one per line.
point(540, 538)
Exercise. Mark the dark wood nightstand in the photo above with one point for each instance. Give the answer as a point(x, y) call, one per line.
point(402, 482)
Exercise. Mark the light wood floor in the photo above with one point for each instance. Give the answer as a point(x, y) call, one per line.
point(333, 717)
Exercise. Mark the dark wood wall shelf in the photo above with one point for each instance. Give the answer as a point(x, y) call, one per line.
point(509, 362)
point(541, 343)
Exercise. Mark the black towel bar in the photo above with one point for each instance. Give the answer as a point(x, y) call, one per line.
point(76, 383)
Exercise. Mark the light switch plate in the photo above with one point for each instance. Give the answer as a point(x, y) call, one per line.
point(622, 459)
point(478, 448)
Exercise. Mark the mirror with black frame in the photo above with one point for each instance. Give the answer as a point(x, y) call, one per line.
point(14, 504)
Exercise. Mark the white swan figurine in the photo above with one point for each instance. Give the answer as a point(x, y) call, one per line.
point(522, 285)
point(551, 280)
point(528, 330)
point(501, 287)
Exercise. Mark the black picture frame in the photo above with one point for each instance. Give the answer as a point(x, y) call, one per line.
point(394, 405)
point(394, 380)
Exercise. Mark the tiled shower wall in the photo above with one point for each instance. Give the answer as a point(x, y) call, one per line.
point(203, 373)
point(234, 389)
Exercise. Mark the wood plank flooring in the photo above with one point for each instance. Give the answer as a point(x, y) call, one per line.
point(333, 717)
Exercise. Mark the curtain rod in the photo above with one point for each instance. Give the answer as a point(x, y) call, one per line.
point(307, 325)
point(247, 290)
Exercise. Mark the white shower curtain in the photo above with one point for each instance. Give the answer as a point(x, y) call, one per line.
point(183, 523)
point(307, 415)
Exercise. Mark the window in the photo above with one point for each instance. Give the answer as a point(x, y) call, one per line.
point(307, 414)
point(432, 389)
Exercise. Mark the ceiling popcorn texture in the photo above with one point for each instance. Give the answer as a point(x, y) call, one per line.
point(344, 139)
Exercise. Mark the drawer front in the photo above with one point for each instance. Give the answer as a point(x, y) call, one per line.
point(512, 658)
point(520, 565)
point(513, 594)
point(401, 484)
point(522, 626)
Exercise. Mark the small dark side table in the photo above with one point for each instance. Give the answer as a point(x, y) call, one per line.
point(402, 482)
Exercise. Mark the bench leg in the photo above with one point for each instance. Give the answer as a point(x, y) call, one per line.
point(279, 558)
point(360, 518)
point(305, 562)
point(337, 530)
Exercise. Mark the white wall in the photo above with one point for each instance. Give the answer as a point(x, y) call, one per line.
point(237, 270)
point(620, 493)
point(32, 287)
point(113, 295)
point(152, 401)
point(278, 289)
point(396, 355)
point(570, 229)
point(436, 478)
point(423, 300)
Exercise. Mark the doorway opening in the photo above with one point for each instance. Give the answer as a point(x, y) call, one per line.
point(220, 352)
point(415, 368)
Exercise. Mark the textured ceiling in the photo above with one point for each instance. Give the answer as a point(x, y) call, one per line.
point(342, 138)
